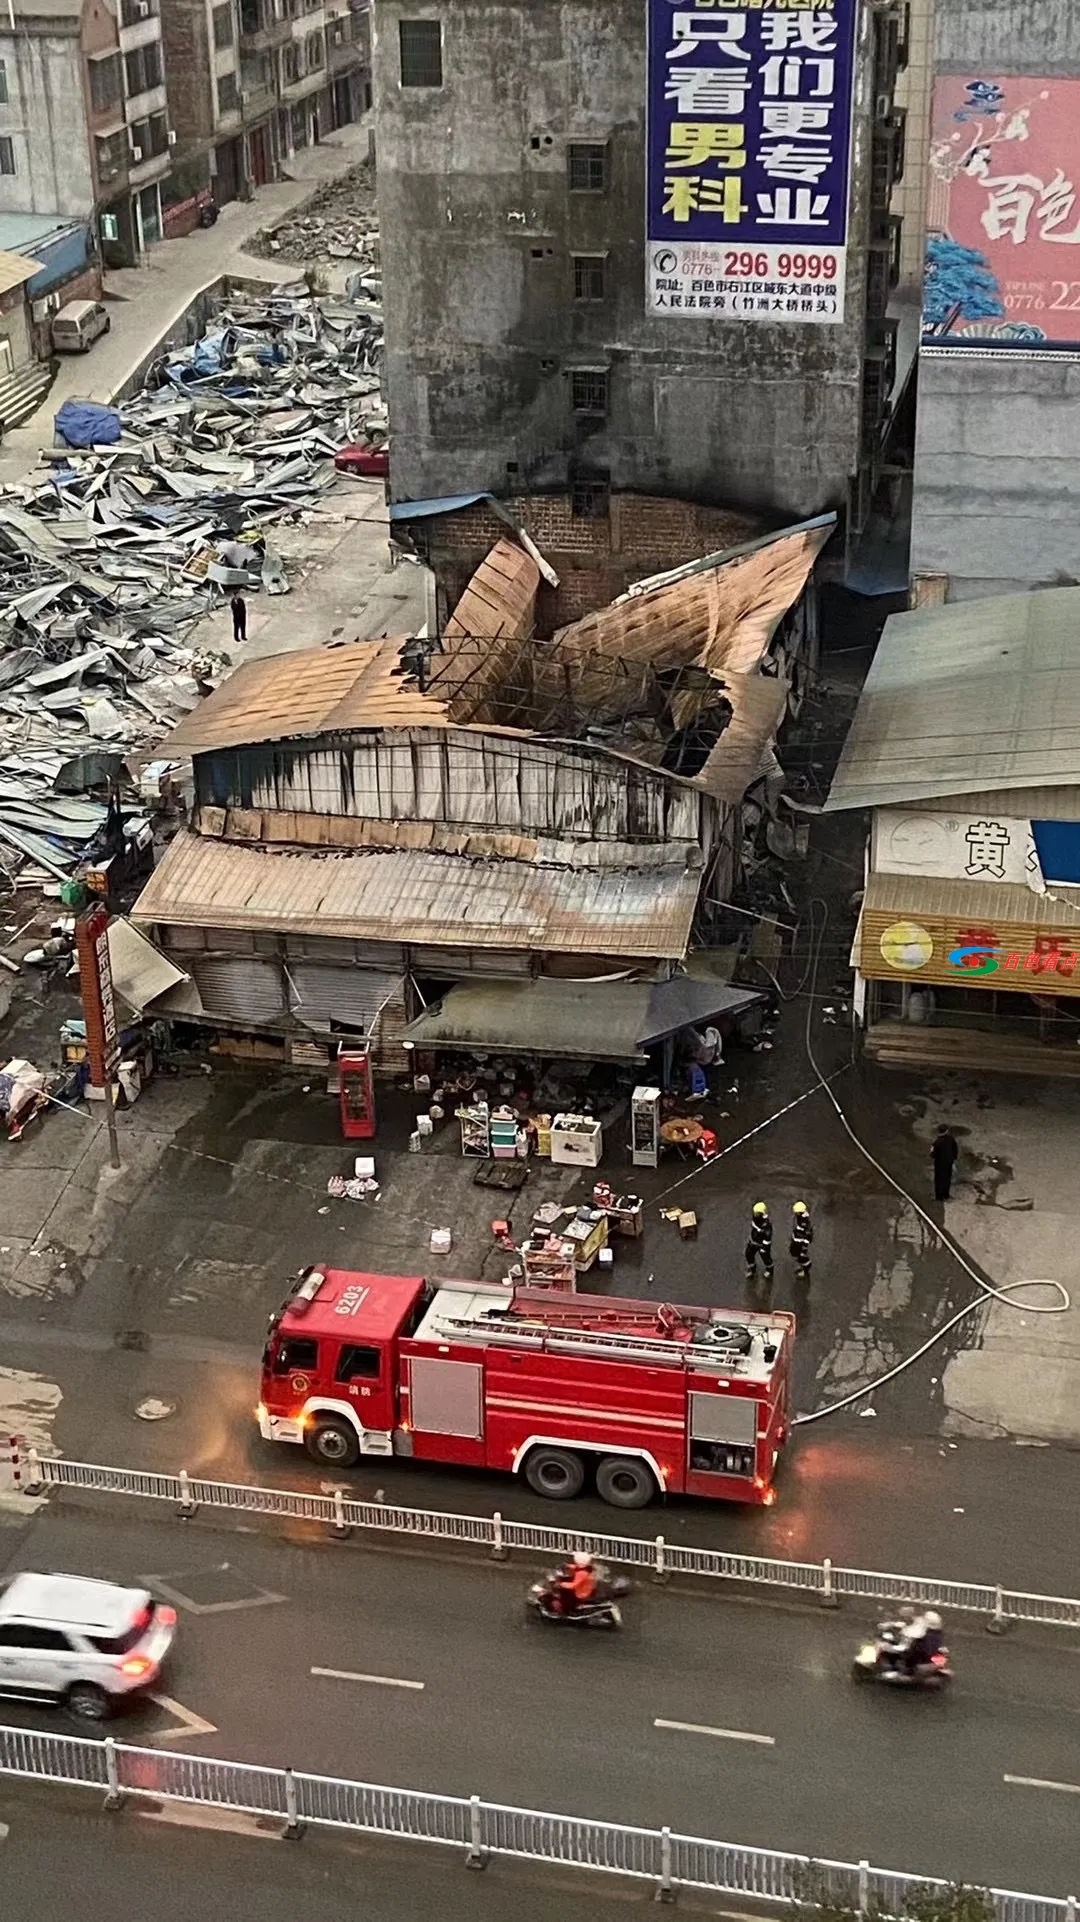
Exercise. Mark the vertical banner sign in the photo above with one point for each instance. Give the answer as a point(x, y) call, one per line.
point(96, 988)
point(749, 153)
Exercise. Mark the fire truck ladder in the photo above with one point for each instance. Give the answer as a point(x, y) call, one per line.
point(656, 1348)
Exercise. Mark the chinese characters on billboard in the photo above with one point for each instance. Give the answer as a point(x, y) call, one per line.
point(1003, 214)
point(749, 144)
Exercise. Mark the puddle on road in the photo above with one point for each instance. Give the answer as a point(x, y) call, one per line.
point(28, 1405)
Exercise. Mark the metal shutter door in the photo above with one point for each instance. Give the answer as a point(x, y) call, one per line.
point(241, 989)
point(723, 1418)
point(445, 1397)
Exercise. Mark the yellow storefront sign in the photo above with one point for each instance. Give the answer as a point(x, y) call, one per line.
point(950, 952)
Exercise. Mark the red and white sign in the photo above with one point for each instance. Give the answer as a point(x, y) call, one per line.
point(96, 988)
point(1003, 212)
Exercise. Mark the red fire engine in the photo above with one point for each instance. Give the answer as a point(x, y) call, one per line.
point(645, 1398)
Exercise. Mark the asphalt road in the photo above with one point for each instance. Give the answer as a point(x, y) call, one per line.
point(137, 1866)
point(976, 1511)
point(569, 1721)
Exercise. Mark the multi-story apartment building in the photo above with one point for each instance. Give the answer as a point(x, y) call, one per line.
point(601, 270)
point(84, 129)
point(252, 80)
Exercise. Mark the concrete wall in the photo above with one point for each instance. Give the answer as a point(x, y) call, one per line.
point(914, 93)
point(45, 117)
point(997, 458)
point(478, 230)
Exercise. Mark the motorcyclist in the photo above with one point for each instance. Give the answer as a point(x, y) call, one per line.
point(916, 1628)
point(759, 1245)
point(576, 1581)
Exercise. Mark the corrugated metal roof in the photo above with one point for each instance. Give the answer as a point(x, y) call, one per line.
point(16, 270)
point(977, 695)
point(1021, 803)
point(499, 599)
point(419, 897)
point(313, 691)
point(978, 901)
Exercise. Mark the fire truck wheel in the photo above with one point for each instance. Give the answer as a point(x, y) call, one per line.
point(624, 1482)
point(556, 1473)
point(334, 1443)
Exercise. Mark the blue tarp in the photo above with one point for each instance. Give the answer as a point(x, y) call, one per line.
point(1058, 847)
point(82, 423)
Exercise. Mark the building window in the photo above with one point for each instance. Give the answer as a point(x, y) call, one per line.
point(586, 162)
point(589, 499)
point(3, 83)
point(290, 65)
point(7, 154)
point(589, 276)
point(228, 99)
point(132, 11)
point(104, 82)
point(142, 69)
point(223, 26)
point(314, 53)
point(420, 44)
point(588, 392)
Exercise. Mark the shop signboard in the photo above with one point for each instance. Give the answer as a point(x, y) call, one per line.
point(1003, 214)
point(950, 951)
point(96, 988)
point(748, 159)
point(956, 847)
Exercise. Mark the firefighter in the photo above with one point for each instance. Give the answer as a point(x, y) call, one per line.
point(759, 1246)
point(802, 1236)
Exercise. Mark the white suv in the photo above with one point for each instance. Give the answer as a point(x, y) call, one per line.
point(66, 1639)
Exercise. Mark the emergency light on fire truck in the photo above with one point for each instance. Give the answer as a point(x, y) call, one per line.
point(644, 1399)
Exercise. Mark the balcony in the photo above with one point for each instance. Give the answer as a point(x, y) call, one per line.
point(346, 56)
point(139, 106)
point(259, 31)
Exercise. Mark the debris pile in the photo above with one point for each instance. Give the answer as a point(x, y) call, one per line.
point(106, 557)
point(337, 223)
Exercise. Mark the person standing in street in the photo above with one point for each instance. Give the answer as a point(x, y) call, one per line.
point(239, 615)
point(759, 1245)
point(802, 1238)
point(944, 1153)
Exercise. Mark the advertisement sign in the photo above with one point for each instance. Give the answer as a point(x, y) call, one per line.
point(953, 847)
point(1003, 214)
point(749, 149)
point(96, 989)
point(949, 951)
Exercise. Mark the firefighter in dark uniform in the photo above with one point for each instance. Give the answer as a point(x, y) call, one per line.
point(759, 1246)
point(802, 1237)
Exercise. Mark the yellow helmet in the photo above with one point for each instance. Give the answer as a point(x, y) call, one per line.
point(799, 1208)
point(761, 1208)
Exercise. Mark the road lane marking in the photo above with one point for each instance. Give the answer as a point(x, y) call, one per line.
point(725, 1734)
point(187, 1815)
point(1037, 1782)
point(187, 1723)
point(351, 1675)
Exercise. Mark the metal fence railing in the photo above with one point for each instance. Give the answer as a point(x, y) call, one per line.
point(483, 1829)
point(823, 1580)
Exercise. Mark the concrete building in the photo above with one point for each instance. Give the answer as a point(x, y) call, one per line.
point(83, 121)
point(253, 80)
point(997, 465)
point(521, 359)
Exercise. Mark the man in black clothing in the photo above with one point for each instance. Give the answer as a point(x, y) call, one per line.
point(759, 1245)
point(944, 1151)
point(239, 616)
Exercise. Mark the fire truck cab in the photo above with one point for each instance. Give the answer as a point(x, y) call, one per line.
point(642, 1399)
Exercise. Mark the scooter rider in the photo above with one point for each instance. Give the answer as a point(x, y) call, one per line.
point(577, 1581)
point(759, 1245)
point(802, 1237)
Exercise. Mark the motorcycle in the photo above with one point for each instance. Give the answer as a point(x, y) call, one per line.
point(546, 1603)
point(885, 1660)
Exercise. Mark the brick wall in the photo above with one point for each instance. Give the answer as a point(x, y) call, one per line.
point(187, 65)
point(594, 559)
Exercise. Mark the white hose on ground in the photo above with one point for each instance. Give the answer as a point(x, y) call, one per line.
point(1002, 1293)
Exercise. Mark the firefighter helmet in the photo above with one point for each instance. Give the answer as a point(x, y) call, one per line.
point(799, 1208)
point(760, 1209)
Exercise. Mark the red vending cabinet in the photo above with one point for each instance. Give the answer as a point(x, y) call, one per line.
point(356, 1094)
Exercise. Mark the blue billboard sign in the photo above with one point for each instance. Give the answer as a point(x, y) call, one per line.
point(749, 153)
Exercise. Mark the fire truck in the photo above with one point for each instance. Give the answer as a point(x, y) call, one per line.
point(639, 1399)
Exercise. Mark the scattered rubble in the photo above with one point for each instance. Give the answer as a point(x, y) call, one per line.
point(108, 554)
point(337, 223)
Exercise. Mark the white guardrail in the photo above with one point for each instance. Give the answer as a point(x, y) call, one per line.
point(35, 1473)
point(483, 1829)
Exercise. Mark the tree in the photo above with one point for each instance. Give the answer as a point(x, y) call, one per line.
point(960, 284)
point(922, 1902)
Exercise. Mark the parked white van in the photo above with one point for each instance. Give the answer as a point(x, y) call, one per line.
point(76, 327)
